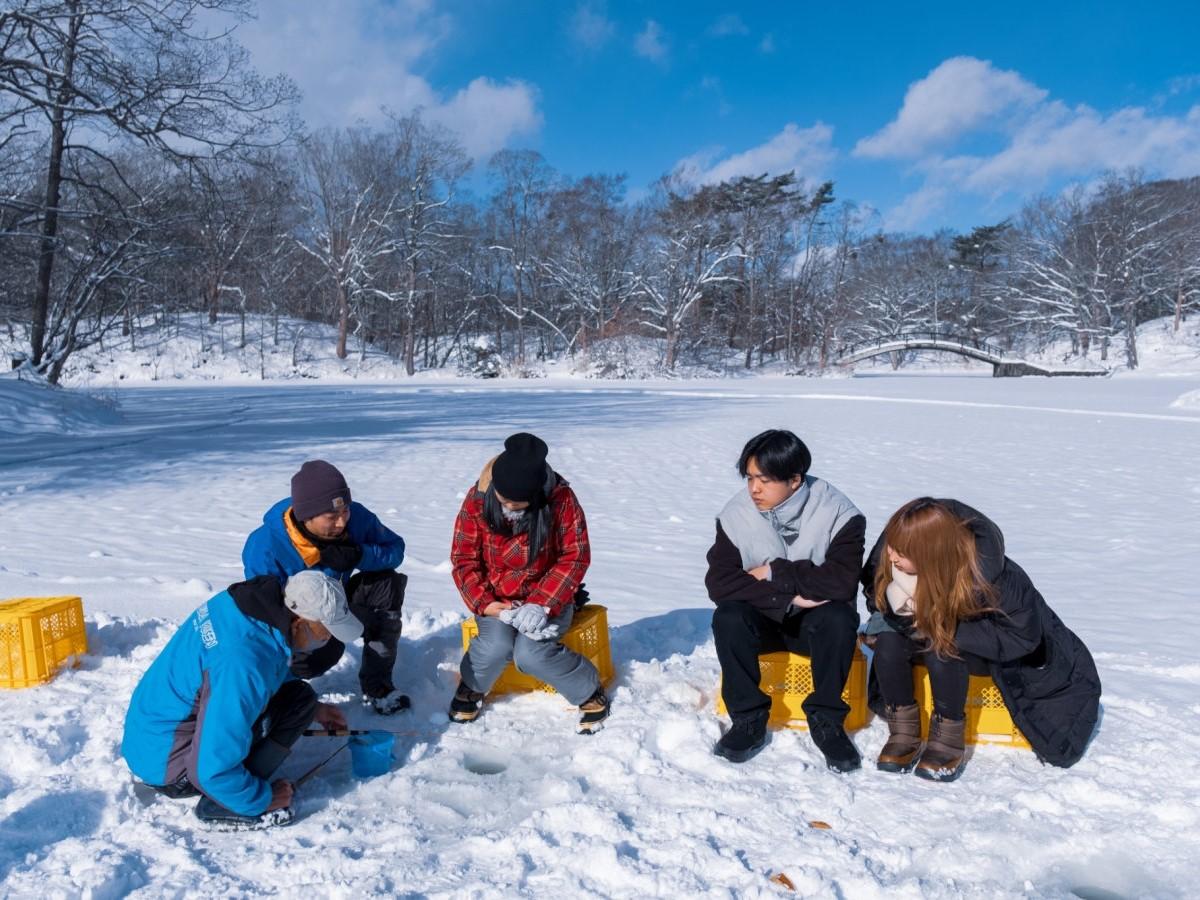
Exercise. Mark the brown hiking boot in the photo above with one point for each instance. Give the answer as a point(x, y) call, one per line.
point(595, 710)
point(899, 754)
point(943, 756)
point(466, 704)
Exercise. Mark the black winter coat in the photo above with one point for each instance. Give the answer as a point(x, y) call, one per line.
point(1042, 669)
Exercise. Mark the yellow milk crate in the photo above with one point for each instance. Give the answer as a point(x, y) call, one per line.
point(787, 678)
point(587, 636)
point(38, 636)
point(988, 719)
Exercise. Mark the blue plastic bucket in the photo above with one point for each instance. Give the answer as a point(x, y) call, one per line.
point(371, 753)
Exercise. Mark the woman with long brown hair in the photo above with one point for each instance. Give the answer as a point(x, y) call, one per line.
point(941, 592)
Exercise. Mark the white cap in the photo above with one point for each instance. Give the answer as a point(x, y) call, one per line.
point(315, 596)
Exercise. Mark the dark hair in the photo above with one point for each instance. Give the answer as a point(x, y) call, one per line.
point(779, 455)
point(537, 520)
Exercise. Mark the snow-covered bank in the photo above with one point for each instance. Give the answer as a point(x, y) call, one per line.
point(1094, 482)
point(188, 349)
point(32, 407)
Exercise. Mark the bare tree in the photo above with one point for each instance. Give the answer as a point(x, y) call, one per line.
point(590, 255)
point(688, 254)
point(97, 72)
point(523, 184)
point(349, 232)
point(429, 162)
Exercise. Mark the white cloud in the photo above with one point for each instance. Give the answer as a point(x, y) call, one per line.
point(728, 25)
point(590, 27)
point(957, 97)
point(650, 43)
point(486, 115)
point(917, 208)
point(1038, 142)
point(355, 58)
point(1077, 142)
point(767, 44)
point(806, 151)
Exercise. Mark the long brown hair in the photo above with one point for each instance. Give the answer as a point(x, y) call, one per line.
point(950, 586)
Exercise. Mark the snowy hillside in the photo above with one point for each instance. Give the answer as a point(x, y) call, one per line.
point(1094, 482)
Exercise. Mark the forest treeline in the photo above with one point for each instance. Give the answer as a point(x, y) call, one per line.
point(147, 171)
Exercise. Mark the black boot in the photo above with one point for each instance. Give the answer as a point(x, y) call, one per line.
point(745, 737)
point(218, 818)
point(830, 737)
point(266, 756)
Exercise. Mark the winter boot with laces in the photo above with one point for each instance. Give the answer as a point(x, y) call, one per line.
point(466, 704)
point(831, 739)
point(899, 754)
point(745, 737)
point(595, 710)
point(943, 759)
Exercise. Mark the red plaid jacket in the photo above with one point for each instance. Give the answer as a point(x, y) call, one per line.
point(489, 566)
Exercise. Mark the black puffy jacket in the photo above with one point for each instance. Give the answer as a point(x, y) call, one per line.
point(1042, 669)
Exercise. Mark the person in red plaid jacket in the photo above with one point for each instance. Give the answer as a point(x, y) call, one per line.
point(519, 553)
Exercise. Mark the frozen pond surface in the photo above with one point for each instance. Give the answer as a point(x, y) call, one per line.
point(1095, 483)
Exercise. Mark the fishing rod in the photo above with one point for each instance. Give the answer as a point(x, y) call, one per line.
point(313, 771)
point(360, 732)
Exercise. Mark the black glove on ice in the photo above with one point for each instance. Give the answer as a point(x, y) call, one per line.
point(341, 557)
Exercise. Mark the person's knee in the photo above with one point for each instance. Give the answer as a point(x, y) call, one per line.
point(296, 703)
point(370, 592)
point(890, 645)
point(734, 620)
point(297, 694)
point(492, 644)
point(834, 620)
point(530, 656)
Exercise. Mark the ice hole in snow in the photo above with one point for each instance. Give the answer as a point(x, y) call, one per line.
point(485, 763)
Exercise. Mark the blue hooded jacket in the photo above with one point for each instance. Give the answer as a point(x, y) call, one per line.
point(194, 710)
point(272, 549)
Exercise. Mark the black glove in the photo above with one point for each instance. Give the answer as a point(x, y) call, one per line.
point(341, 557)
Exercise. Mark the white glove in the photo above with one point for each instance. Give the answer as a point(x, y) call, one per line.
point(527, 619)
point(550, 632)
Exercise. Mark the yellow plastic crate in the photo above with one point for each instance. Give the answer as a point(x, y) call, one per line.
point(38, 636)
point(587, 636)
point(988, 720)
point(787, 678)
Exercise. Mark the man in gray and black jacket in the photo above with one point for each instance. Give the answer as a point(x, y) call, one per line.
point(784, 572)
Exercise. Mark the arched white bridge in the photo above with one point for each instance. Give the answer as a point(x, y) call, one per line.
point(1003, 364)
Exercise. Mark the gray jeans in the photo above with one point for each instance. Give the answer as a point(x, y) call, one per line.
point(563, 669)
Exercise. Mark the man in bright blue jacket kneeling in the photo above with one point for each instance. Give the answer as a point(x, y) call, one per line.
point(218, 711)
point(319, 527)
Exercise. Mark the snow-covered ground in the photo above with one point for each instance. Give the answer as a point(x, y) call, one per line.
point(142, 510)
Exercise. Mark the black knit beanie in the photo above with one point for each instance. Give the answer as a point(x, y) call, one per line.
point(519, 473)
point(318, 488)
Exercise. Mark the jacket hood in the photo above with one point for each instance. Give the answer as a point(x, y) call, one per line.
point(261, 598)
point(989, 540)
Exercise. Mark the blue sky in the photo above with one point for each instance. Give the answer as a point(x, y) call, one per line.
point(934, 114)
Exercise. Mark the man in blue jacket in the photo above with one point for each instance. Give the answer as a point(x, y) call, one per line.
point(218, 711)
point(319, 527)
